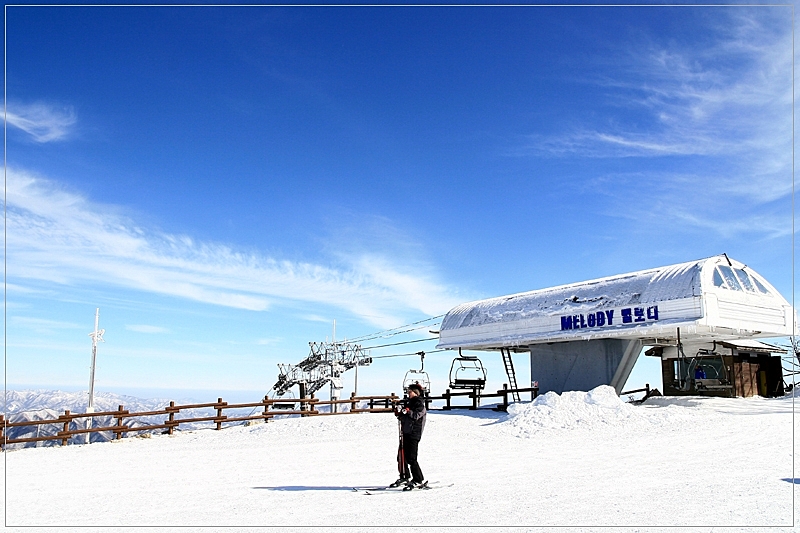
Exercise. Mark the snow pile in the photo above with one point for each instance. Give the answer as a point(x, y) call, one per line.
point(600, 407)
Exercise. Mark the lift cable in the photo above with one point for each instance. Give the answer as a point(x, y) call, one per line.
point(368, 338)
point(387, 332)
point(406, 354)
point(398, 343)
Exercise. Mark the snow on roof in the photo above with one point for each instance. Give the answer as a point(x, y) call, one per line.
point(752, 344)
point(640, 304)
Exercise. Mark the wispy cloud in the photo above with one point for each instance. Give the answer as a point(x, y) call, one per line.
point(731, 98)
point(732, 95)
point(144, 328)
point(710, 122)
point(44, 123)
point(41, 325)
point(61, 237)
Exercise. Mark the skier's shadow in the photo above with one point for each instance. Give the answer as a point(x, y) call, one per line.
point(301, 488)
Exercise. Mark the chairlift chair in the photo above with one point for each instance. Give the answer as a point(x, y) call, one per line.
point(467, 372)
point(417, 376)
point(720, 381)
point(288, 404)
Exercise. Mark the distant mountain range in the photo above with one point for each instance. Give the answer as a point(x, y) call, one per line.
point(25, 405)
point(76, 402)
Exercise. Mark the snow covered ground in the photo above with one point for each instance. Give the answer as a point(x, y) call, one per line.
point(582, 460)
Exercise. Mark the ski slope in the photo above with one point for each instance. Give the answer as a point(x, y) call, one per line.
point(583, 460)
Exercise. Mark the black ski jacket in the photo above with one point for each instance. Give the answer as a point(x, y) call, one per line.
point(413, 423)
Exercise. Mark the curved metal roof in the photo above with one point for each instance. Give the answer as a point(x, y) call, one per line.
point(644, 304)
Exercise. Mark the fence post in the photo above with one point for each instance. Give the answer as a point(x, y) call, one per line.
point(447, 398)
point(65, 438)
point(2, 432)
point(219, 412)
point(505, 396)
point(171, 418)
point(119, 423)
point(353, 401)
point(309, 405)
point(303, 405)
point(266, 409)
point(475, 396)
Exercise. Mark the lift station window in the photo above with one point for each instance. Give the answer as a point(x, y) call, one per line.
point(745, 280)
point(737, 280)
point(730, 278)
point(760, 285)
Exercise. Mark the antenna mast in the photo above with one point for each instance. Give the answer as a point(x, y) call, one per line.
point(96, 335)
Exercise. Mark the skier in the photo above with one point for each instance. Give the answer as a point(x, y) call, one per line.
point(412, 421)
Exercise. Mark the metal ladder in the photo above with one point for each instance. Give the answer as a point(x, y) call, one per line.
point(512, 376)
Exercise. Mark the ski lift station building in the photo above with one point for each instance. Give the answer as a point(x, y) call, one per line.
point(706, 313)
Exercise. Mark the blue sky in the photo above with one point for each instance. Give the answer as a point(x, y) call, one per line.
point(224, 182)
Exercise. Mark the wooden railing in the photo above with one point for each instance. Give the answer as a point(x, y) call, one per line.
point(305, 407)
point(476, 395)
point(270, 408)
point(648, 392)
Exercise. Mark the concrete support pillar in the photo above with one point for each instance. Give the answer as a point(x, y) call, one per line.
point(583, 365)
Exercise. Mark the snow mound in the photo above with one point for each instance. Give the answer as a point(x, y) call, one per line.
point(598, 408)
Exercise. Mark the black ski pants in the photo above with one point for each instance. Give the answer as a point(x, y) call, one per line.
point(408, 456)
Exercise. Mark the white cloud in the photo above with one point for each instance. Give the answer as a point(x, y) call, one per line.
point(317, 318)
point(144, 328)
point(712, 124)
point(41, 325)
point(728, 101)
point(61, 237)
point(43, 122)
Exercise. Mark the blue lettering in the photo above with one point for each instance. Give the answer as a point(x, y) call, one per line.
point(603, 318)
point(626, 316)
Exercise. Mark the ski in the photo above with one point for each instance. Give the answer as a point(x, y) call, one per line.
point(389, 490)
point(379, 489)
point(376, 489)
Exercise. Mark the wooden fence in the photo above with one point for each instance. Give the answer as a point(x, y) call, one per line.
point(270, 408)
point(476, 396)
